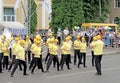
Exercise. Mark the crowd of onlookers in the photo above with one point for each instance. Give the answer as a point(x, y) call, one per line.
point(110, 38)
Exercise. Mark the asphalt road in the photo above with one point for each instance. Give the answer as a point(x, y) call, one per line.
point(110, 73)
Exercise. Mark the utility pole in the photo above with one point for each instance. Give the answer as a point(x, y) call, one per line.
point(28, 17)
point(100, 7)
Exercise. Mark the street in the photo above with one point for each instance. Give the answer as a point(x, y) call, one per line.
point(110, 73)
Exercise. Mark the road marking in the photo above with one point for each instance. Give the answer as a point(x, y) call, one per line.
point(65, 75)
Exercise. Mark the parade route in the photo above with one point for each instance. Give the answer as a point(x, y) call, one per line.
point(110, 73)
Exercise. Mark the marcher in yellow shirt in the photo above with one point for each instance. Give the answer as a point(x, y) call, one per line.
point(14, 48)
point(77, 43)
point(3, 38)
point(53, 55)
point(83, 47)
point(98, 51)
point(6, 55)
point(37, 57)
point(27, 47)
point(48, 43)
point(66, 48)
point(20, 58)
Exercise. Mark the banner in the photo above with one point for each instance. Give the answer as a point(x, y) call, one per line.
point(17, 3)
point(47, 4)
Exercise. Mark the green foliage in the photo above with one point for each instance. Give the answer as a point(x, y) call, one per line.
point(66, 13)
point(33, 16)
point(70, 13)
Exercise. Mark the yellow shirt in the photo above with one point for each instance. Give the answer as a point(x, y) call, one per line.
point(66, 47)
point(20, 53)
point(98, 47)
point(14, 47)
point(6, 49)
point(1, 47)
point(92, 44)
point(53, 49)
point(37, 51)
point(33, 46)
point(27, 44)
point(83, 47)
point(77, 44)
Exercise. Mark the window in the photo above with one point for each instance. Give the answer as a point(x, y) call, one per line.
point(117, 20)
point(9, 14)
point(116, 3)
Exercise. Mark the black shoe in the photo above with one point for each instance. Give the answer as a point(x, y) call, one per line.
point(78, 66)
point(1, 72)
point(46, 71)
point(69, 68)
point(98, 73)
point(32, 72)
point(84, 66)
point(26, 74)
point(74, 63)
point(11, 76)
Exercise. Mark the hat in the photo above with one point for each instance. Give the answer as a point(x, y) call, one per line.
point(83, 38)
point(67, 38)
point(27, 37)
point(22, 41)
point(98, 37)
point(94, 38)
point(56, 40)
point(50, 34)
point(77, 37)
point(38, 37)
point(35, 40)
point(16, 39)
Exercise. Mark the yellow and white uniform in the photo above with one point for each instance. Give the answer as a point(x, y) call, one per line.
point(77, 44)
point(83, 47)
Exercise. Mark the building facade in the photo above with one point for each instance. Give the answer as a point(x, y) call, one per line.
point(7, 13)
point(114, 16)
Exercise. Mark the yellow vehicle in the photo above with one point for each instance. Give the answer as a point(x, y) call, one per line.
point(86, 26)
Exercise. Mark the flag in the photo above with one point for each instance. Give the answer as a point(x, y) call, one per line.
point(37, 2)
point(47, 5)
point(17, 3)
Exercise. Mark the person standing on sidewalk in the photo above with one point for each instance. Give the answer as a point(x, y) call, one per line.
point(98, 51)
point(77, 43)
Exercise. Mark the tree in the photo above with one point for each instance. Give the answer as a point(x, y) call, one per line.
point(92, 9)
point(66, 13)
point(32, 15)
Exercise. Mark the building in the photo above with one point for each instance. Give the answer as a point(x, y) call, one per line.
point(114, 16)
point(7, 13)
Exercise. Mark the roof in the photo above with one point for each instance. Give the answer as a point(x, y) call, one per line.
point(14, 25)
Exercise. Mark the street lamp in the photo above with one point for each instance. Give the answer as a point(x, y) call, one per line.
point(100, 7)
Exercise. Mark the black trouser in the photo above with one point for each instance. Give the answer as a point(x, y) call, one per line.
point(76, 53)
point(17, 62)
point(10, 53)
point(80, 59)
point(37, 62)
point(69, 58)
point(84, 59)
point(59, 39)
point(93, 58)
point(65, 59)
point(48, 54)
point(28, 55)
point(1, 57)
point(98, 59)
point(61, 59)
point(55, 57)
point(13, 62)
point(32, 62)
point(5, 62)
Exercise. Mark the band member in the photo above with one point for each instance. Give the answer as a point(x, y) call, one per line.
point(14, 48)
point(51, 37)
point(37, 56)
point(53, 54)
point(20, 58)
point(27, 46)
point(66, 49)
point(3, 38)
point(6, 55)
point(98, 51)
point(83, 47)
point(77, 43)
